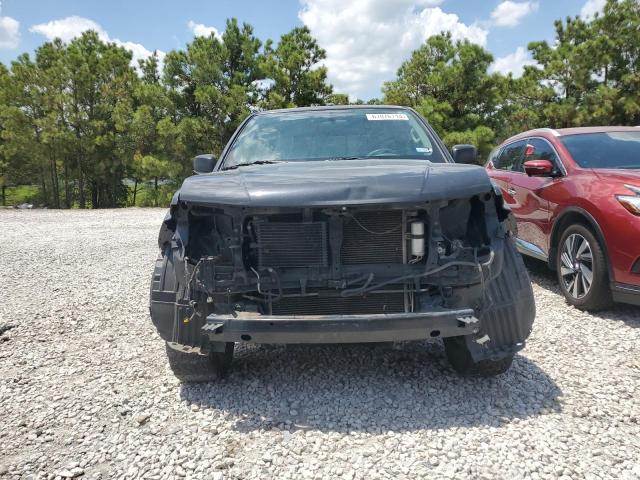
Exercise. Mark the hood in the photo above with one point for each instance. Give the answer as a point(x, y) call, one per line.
point(622, 176)
point(337, 182)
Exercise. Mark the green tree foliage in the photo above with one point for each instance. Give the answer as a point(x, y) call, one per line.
point(337, 99)
point(294, 67)
point(590, 75)
point(212, 83)
point(83, 124)
point(447, 82)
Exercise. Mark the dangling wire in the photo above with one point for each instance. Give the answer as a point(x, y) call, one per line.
point(268, 295)
point(391, 230)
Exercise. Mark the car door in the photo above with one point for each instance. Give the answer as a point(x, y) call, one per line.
point(503, 164)
point(530, 207)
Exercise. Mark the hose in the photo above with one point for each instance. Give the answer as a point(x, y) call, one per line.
point(458, 263)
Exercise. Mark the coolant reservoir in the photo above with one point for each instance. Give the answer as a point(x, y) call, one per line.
point(417, 239)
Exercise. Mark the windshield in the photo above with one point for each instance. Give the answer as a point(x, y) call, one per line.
point(333, 135)
point(605, 149)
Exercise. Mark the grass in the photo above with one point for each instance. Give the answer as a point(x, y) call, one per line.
point(145, 197)
point(23, 194)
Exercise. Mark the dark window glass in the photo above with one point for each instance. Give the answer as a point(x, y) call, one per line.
point(332, 135)
point(510, 155)
point(542, 150)
point(605, 149)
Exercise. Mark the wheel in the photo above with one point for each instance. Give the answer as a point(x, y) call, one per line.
point(165, 284)
point(193, 367)
point(582, 269)
point(187, 366)
point(460, 359)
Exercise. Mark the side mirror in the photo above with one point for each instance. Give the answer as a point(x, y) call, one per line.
point(465, 154)
point(204, 164)
point(538, 168)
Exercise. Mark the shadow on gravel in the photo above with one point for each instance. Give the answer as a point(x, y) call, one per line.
point(629, 314)
point(371, 388)
point(544, 277)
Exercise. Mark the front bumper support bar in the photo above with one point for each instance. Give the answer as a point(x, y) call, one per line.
point(255, 328)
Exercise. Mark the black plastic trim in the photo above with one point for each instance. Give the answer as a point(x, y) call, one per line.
point(626, 293)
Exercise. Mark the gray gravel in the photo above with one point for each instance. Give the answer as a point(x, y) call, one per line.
point(86, 392)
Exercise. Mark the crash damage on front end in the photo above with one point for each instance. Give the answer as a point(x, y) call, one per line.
point(351, 253)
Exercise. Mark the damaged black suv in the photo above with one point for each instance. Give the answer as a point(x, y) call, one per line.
point(341, 225)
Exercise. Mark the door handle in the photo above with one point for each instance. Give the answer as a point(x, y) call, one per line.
point(511, 191)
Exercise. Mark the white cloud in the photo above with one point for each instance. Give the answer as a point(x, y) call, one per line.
point(592, 7)
point(66, 29)
point(513, 63)
point(69, 28)
point(9, 31)
point(139, 52)
point(510, 14)
point(367, 40)
point(201, 30)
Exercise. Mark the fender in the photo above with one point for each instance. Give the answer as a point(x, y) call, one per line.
point(556, 232)
point(169, 224)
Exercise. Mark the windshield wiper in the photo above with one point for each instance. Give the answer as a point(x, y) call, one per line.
point(347, 158)
point(257, 162)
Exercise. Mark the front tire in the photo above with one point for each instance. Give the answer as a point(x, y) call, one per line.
point(221, 361)
point(581, 266)
point(193, 367)
point(462, 362)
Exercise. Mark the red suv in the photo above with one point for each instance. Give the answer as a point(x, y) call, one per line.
point(575, 194)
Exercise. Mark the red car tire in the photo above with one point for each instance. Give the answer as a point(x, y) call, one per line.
point(581, 266)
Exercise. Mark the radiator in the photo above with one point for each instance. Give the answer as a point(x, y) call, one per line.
point(373, 303)
point(372, 237)
point(369, 237)
point(289, 245)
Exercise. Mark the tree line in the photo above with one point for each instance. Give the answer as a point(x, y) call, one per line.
point(88, 128)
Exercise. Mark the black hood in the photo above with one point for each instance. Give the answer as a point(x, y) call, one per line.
point(336, 182)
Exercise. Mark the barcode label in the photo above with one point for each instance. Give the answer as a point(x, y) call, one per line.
point(387, 116)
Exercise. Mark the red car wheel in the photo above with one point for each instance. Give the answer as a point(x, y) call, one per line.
point(582, 269)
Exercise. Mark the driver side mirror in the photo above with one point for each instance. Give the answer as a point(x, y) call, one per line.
point(465, 154)
point(204, 164)
point(538, 168)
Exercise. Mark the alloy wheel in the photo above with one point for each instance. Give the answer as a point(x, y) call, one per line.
point(576, 266)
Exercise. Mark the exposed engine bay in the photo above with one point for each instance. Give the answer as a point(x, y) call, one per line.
point(334, 260)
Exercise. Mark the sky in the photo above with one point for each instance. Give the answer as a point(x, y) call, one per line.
point(365, 40)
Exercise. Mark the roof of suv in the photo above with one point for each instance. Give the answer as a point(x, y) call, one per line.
point(578, 130)
point(332, 107)
point(571, 131)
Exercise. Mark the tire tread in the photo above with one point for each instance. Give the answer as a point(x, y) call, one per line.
point(599, 297)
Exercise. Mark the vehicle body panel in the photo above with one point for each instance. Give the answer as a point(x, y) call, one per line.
point(531, 208)
point(335, 182)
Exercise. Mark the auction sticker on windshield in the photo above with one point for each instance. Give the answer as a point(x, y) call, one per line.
point(387, 116)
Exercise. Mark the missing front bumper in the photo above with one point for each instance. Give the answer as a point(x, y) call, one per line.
point(256, 328)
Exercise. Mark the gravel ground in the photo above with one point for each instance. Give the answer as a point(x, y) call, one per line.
point(85, 389)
